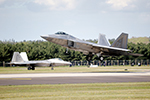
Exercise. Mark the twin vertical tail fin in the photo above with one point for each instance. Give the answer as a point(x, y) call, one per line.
point(121, 41)
point(24, 56)
point(19, 57)
point(102, 40)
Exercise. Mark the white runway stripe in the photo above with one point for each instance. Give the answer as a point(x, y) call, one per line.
point(34, 75)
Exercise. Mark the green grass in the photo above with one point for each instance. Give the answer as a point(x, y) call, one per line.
point(95, 91)
point(139, 40)
point(92, 91)
point(9, 70)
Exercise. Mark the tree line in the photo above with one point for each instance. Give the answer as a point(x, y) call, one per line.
point(40, 50)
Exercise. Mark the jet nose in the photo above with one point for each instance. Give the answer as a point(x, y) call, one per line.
point(44, 36)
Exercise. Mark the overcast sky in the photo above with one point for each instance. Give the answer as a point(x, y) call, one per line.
point(28, 19)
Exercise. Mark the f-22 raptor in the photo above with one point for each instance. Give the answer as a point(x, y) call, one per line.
point(103, 47)
point(22, 59)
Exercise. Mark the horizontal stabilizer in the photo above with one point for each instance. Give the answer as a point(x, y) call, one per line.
point(135, 54)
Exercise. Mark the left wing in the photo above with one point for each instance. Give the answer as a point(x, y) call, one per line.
point(30, 62)
point(58, 62)
point(87, 47)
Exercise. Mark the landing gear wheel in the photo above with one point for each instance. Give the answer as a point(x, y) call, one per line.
point(33, 68)
point(101, 58)
point(29, 68)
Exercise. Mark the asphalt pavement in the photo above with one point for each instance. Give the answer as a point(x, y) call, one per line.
point(72, 78)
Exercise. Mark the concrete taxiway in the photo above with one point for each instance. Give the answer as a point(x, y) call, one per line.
point(72, 78)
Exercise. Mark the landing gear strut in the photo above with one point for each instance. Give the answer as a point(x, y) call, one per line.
point(89, 58)
point(52, 66)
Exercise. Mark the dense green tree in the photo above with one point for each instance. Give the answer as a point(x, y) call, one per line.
point(39, 50)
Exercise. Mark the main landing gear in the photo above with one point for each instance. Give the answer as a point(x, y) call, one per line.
point(31, 68)
point(89, 58)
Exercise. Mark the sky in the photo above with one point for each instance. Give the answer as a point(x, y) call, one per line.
point(29, 19)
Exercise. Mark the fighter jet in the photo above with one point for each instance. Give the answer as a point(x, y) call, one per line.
point(22, 59)
point(103, 47)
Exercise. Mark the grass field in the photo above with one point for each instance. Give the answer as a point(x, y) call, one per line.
point(96, 91)
point(8, 70)
point(92, 91)
point(139, 40)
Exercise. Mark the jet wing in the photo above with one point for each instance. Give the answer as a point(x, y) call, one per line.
point(58, 61)
point(87, 47)
point(84, 46)
point(30, 62)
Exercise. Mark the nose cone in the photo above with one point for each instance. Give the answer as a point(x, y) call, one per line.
point(44, 36)
point(50, 38)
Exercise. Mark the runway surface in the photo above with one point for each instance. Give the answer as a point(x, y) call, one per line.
point(72, 78)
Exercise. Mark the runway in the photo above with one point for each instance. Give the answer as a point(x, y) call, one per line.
point(72, 78)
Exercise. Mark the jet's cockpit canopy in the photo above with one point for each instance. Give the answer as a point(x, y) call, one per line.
point(61, 33)
point(64, 35)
